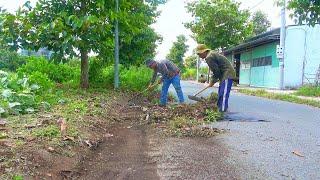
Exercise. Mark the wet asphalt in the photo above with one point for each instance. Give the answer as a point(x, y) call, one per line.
point(268, 139)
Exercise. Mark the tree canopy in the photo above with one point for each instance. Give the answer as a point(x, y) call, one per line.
point(178, 50)
point(260, 22)
point(305, 11)
point(78, 27)
point(219, 23)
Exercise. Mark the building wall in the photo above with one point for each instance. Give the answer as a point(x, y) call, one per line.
point(302, 55)
point(262, 75)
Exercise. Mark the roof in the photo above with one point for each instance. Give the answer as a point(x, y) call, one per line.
point(261, 39)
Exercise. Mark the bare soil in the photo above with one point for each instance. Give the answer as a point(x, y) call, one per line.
point(127, 148)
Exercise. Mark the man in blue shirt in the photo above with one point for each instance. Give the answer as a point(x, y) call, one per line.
point(170, 75)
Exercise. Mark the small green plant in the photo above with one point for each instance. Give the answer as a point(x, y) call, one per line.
point(51, 131)
point(17, 177)
point(213, 116)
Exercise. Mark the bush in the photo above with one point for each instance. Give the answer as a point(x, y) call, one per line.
point(42, 80)
point(135, 78)
point(59, 73)
point(190, 74)
point(309, 91)
point(21, 95)
point(10, 61)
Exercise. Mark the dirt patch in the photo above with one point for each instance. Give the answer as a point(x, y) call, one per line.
point(113, 139)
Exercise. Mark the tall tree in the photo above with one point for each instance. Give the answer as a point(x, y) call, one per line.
point(260, 22)
point(78, 27)
point(219, 23)
point(191, 61)
point(305, 11)
point(177, 51)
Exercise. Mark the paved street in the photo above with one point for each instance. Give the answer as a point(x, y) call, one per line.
point(263, 134)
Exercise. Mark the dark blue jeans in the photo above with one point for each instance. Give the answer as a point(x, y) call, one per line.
point(175, 81)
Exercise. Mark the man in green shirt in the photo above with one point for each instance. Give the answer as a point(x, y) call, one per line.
point(223, 72)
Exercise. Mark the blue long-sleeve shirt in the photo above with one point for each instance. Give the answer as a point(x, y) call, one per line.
point(166, 68)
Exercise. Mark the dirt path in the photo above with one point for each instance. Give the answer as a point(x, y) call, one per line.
point(140, 153)
point(123, 156)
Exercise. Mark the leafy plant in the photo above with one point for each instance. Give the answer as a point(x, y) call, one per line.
point(51, 131)
point(189, 74)
point(135, 78)
point(213, 116)
point(10, 61)
point(59, 73)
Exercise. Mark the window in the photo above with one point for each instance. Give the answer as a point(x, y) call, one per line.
point(245, 65)
point(262, 61)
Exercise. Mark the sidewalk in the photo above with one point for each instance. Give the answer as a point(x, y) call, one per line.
point(274, 91)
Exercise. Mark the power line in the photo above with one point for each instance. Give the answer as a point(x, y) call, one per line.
point(256, 5)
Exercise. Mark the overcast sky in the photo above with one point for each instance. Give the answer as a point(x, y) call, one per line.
point(170, 23)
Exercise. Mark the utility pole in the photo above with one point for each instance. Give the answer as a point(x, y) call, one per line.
point(116, 51)
point(282, 43)
point(198, 64)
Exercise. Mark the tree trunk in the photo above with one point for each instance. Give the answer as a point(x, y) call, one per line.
point(84, 69)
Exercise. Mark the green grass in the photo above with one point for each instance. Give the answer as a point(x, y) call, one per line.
point(283, 97)
point(312, 91)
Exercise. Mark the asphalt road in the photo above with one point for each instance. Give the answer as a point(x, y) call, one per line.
point(263, 134)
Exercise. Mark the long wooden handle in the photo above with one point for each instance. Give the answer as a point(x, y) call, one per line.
point(201, 91)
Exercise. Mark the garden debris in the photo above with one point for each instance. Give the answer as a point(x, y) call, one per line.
point(297, 153)
point(3, 123)
point(51, 149)
point(69, 138)
point(63, 126)
point(108, 135)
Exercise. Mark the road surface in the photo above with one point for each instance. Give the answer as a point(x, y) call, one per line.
point(267, 138)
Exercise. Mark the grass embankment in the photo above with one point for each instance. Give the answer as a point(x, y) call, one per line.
point(282, 97)
point(311, 91)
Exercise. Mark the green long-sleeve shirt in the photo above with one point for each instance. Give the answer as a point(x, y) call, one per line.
point(220, 66)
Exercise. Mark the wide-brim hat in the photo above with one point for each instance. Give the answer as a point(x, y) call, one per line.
point(201, 48)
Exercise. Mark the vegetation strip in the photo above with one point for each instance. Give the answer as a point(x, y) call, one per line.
point(283, 97)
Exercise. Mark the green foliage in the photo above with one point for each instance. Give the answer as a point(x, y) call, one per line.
point(17, 177)
point(17, 96)
point(42, 80)
point(51, 131)
point(177, 51)
point(58, 73)
point(260, 22)
point(189, 74)
point(10, 61)
point(305, 11)
point(141, 47)
point(313, 91)
point(135, 78)
point(191, 61)
point(219, 23)
point(213, 116)
point(70, 27)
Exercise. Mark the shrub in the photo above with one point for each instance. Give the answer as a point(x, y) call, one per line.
point(10, 61)
point(59, 73)
point(189, 74)
point(135, 78)
point(42, 80)
point(23, 95)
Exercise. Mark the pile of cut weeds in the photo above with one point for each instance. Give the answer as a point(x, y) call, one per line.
point(185, 120)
